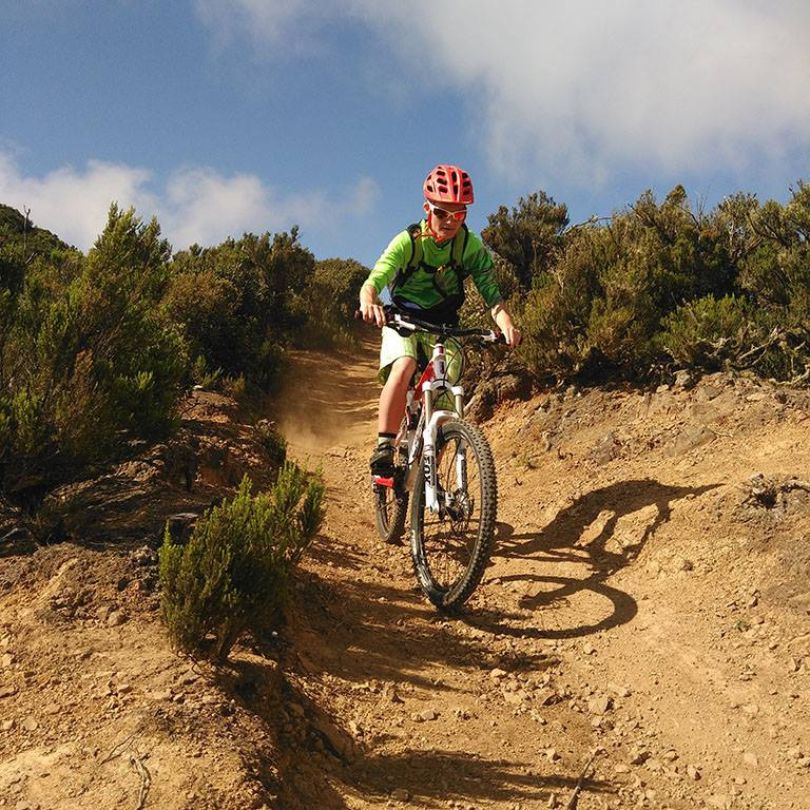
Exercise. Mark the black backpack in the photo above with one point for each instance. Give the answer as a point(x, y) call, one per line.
point(446, 312)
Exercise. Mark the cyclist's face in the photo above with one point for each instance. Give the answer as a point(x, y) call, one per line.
point(447, 226)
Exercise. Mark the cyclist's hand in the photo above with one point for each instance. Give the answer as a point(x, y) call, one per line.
point(370, 306)
point(512, 336)
point(373, 313)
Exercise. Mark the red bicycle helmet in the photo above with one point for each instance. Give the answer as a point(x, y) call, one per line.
point(448, 184)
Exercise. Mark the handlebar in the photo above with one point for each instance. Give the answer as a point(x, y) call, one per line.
point(404, 321)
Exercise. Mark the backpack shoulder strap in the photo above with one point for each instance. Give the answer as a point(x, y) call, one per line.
point(414, 231)
point(417, 254)
point(413, 262)
point(457, 251)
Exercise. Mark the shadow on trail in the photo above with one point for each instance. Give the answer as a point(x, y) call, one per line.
point(326, 552)
point(364, 632)
point(313, 755)
point(578, 536)
point(436, 778)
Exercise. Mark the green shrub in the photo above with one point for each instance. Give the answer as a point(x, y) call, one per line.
point(600, 302)
point(707, 332)
point(529, 236)
point(87, 360)
point(330, 301)
point(777, 270)
point(272, 441)
point(203, 376)
point(238, 303)
point(232, 575)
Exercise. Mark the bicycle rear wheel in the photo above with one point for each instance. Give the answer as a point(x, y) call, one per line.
point(451, 549)
point(391, 507)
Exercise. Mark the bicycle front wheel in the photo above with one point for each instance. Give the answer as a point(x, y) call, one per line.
point(451, 548)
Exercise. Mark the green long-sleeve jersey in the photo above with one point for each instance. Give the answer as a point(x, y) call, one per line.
point(432, 282)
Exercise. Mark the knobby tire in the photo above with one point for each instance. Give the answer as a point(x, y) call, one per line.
point(451, 552)
point(391, 508)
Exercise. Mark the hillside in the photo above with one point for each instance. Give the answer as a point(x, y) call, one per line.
point(16, 230)
point(642, 633)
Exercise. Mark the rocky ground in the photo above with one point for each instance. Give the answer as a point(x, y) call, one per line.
point(641, 639)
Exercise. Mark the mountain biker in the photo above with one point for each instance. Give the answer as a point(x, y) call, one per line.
point(433, 291)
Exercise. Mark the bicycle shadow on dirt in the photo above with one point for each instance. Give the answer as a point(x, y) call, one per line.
point(306, 755)
point(371, 634)
point(444, 776)
point(585, 536)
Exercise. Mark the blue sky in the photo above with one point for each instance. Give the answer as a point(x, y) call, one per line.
point(225, 116)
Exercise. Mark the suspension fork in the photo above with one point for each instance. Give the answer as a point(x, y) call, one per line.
point(461, 469)
point(434, 419)
point(433, 380)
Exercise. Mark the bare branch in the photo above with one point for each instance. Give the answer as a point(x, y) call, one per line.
point(572, 802)
point(146, 779)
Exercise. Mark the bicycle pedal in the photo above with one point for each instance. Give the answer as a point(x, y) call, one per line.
point(382, 481)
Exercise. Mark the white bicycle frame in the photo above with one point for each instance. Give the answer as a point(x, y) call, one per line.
point(422, 438)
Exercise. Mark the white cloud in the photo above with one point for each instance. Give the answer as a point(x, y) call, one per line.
point(73, 203)
point(264, 22)
point(589, 88)
point(204, 206)
point(195, 205)
point(593, 86)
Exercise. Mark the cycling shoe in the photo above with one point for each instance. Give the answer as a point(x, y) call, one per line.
point(382, 460)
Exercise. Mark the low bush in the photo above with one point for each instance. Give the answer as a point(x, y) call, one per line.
point(272, 441)
point(663, 283)
point(707, 332)
point(232, 575)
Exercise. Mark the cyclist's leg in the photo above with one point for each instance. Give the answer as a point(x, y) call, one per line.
point(392, 398)
point(397, 366)
point(454, 360)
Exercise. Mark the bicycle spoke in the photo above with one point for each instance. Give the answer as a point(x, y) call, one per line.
point(449, 538)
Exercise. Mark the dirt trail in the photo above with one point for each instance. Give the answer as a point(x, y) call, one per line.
point(646, 611)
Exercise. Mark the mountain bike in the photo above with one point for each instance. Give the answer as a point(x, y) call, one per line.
point(445, 465)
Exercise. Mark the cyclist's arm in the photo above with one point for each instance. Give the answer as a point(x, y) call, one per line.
point(394, 257)
point(502, 317)
point(479, 262)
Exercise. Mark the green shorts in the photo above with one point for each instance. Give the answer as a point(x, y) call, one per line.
point(395, 346)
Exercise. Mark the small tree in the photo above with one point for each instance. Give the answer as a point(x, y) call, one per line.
point(232, 575)
point(87, 359)
point(529, 236)
point(238, 303)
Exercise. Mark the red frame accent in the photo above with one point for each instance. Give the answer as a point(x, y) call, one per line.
point(427, 375)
